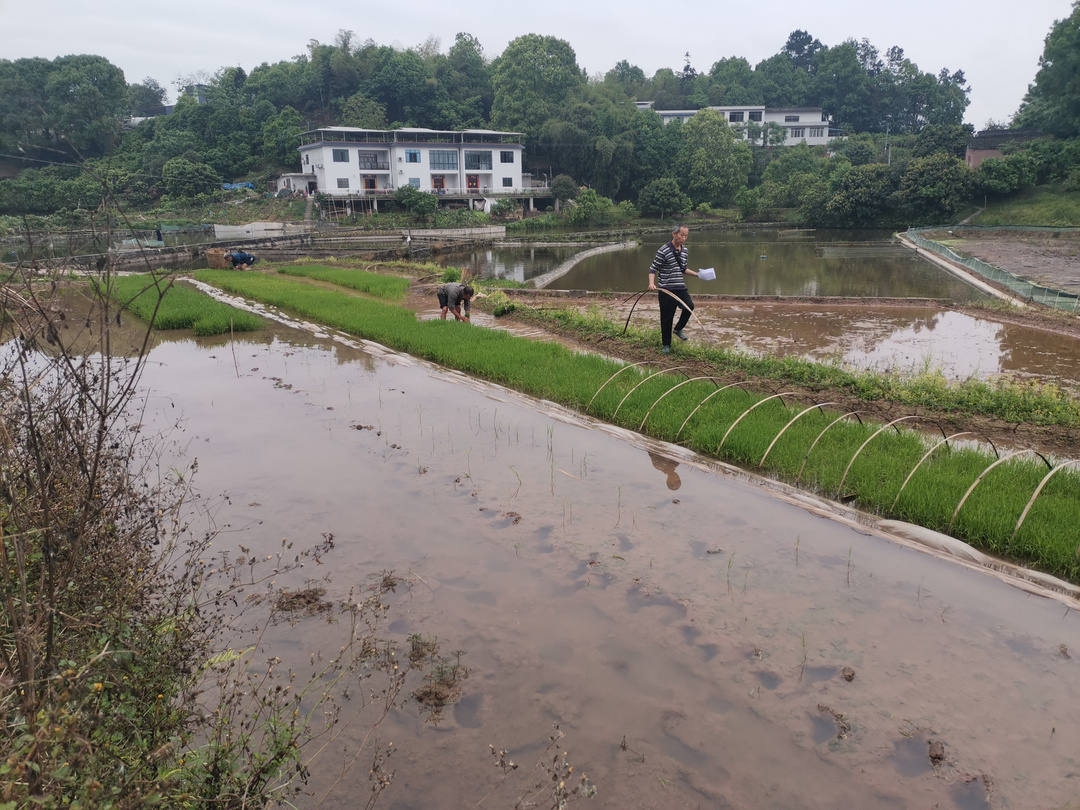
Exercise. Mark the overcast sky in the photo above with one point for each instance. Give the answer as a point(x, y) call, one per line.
point(997, 43)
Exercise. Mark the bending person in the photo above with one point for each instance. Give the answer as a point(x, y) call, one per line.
point(451, 297)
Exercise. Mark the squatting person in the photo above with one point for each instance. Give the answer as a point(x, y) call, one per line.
point(451, 297)
point(666, 274)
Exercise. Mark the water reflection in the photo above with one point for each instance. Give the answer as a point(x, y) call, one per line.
point(583, 596)
point(782, 263)
point(901, 339)
point(666, 466)
point(516, 263)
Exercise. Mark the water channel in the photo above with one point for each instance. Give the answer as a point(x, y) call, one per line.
point(687, 629)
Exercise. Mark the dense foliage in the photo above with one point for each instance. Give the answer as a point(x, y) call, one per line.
point(894, 158)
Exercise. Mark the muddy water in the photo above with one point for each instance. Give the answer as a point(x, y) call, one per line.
point(781, 263)
point(513, 262)
point(623, 591)
point(901, 339)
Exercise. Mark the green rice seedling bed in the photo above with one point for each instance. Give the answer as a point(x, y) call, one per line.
point(390, 288)
point(836, 457)
point(168, 305)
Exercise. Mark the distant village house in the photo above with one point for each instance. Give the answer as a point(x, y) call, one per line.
point(801, 124)
point(351, 162)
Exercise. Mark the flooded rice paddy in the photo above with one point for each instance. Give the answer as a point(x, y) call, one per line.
point(904, 339)
point(702, 641)
point(781, 263)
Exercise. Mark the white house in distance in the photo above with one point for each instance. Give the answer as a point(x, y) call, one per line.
point(350, 162)
point(803, 124)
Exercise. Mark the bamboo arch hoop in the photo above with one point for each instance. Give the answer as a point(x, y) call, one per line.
point(983, 474)
point(789, 424)
point(1035, 494)
point(670, 390)
point(682, 305)
point(710, 396)
point(779, 396)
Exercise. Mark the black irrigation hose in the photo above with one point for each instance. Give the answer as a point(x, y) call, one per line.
point(643, 293)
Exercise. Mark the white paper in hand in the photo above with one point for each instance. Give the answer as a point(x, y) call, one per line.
point(706, 274)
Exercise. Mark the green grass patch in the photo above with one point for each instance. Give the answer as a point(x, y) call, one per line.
point(168, 305)
point(1043, 205)
point(819, 450)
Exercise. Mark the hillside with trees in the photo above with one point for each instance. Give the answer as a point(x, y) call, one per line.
point(73, 131)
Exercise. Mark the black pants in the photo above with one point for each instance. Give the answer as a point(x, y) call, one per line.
point(668, 305)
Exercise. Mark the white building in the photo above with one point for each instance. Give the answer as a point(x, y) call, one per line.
point(349, 162)
point(802, 124)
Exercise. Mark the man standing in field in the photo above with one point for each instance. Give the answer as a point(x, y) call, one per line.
point(666, 276)
point(451, 296)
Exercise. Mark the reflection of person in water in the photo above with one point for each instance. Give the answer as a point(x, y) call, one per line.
point(666, 465)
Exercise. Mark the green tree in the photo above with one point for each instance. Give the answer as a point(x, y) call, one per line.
point(185, 180)
point(796, 159)
point(86, 97)
point(363, 112)
point(564, 187)
point(802, 49)
point(418, 203)
point(662, 197)
point(629, 77)
point(405, 85)
point(860, 149)
point(281, 139)
point(715, 165)
point(732, 82)
point(590, 208)
point(862, 197)
point(657, 149)
point(1052, 103)
point(145, 99)
point(468, 82)
point(779, 83)
point(998, 177)
point(932, 189)
point(843, 88)
point(950, 139)
point(530, 80)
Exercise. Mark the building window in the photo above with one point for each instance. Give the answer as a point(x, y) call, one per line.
point(735, 117)
point(343, 182)
point(413, 155)
point(307, 159)
point(414, 182)
point(508, 182)
point(477, 161)
point(341, 155)
point(506, 157)
point(367, 160)
point(442, 160)
point(797, 132)
point(755, 115)
point(817, 132)
point(791, 119)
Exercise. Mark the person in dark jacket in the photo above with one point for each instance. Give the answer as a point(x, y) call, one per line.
point(240, 260)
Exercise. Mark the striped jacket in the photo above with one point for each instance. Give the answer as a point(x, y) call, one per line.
point(669, 267)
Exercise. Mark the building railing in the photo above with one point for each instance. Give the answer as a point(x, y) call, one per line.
point(485, 191)
point(1058, 299)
